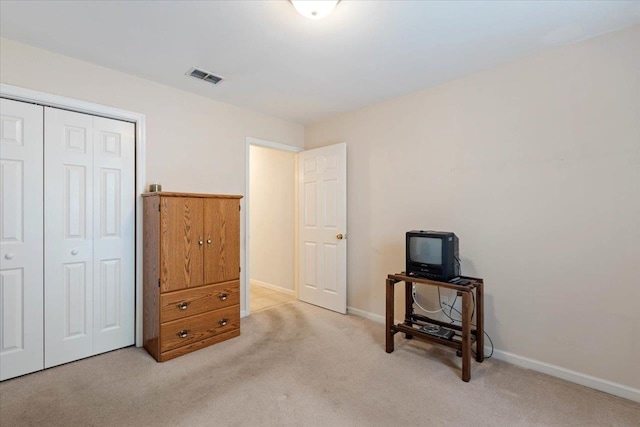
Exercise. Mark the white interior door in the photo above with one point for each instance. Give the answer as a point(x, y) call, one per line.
point(68, 228)
point(89, 235)
point(113, 235)
point(323, 227)
point(21, 270)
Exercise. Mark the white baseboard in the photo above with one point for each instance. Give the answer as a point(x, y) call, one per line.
point(600, 384)
point(273, 287)
point(367, 315)
point(243, 313)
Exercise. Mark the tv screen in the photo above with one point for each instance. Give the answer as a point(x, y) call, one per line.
point(425, 250)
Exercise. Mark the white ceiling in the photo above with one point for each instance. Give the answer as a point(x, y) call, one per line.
point(278, 62)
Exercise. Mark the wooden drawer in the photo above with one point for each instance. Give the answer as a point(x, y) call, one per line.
point(201, 326)
point(181, 304)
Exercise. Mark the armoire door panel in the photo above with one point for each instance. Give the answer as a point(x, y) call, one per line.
point(21, 247)
point(222, 240)
point(68, 235)
point(114, 234)
point(181, 243)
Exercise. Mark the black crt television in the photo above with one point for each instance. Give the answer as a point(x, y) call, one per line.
point(432, 255)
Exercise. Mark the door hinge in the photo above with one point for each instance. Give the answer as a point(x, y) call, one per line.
point(158, 282)
point(239, 207)
point(240, 269)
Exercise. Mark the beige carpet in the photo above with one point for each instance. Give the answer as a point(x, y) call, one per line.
point(296, 364)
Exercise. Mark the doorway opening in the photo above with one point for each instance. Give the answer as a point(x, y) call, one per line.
point(272, 255)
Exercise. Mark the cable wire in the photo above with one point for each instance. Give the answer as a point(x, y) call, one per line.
point(414, 294)
point(452, 308)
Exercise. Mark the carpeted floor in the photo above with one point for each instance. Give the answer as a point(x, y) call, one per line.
point(296, 364)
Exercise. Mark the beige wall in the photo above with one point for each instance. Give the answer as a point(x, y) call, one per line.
point(535, 165)
point(193, 143)
point(271, 217)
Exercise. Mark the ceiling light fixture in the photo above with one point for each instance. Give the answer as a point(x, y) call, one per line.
point(314, 9)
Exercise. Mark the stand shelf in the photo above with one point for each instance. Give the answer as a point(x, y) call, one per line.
point(464, 336)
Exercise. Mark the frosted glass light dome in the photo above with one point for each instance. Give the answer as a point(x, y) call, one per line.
point(314, 9)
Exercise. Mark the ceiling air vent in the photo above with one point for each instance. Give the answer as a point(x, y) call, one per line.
point(204, 76)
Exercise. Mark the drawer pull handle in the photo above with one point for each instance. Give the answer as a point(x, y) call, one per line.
point(223, 322)
point(183, 305)
point(183, 333)
point(223, 297)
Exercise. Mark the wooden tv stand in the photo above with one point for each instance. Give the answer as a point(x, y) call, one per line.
point(465, 335)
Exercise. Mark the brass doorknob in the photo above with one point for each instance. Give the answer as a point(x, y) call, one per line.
point(339, 237)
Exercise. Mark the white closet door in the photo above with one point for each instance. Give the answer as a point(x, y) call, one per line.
point(21, 303)
point(90, 235)
point(114, 235)
point(68, 228)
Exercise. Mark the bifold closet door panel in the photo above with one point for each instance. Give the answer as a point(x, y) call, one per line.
point(21, 250)
point(68, 225)
point(114, 234)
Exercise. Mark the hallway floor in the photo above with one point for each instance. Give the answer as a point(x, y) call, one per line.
point(262, 298)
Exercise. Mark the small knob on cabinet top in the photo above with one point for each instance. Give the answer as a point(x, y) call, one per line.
point(223, 322)
point(74, 252)
point(208, 241)
point(9, 256)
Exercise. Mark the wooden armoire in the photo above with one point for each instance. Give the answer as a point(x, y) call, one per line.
point(191, 272)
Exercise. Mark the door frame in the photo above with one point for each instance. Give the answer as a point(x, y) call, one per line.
point(246, 277)
point(49, 100)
